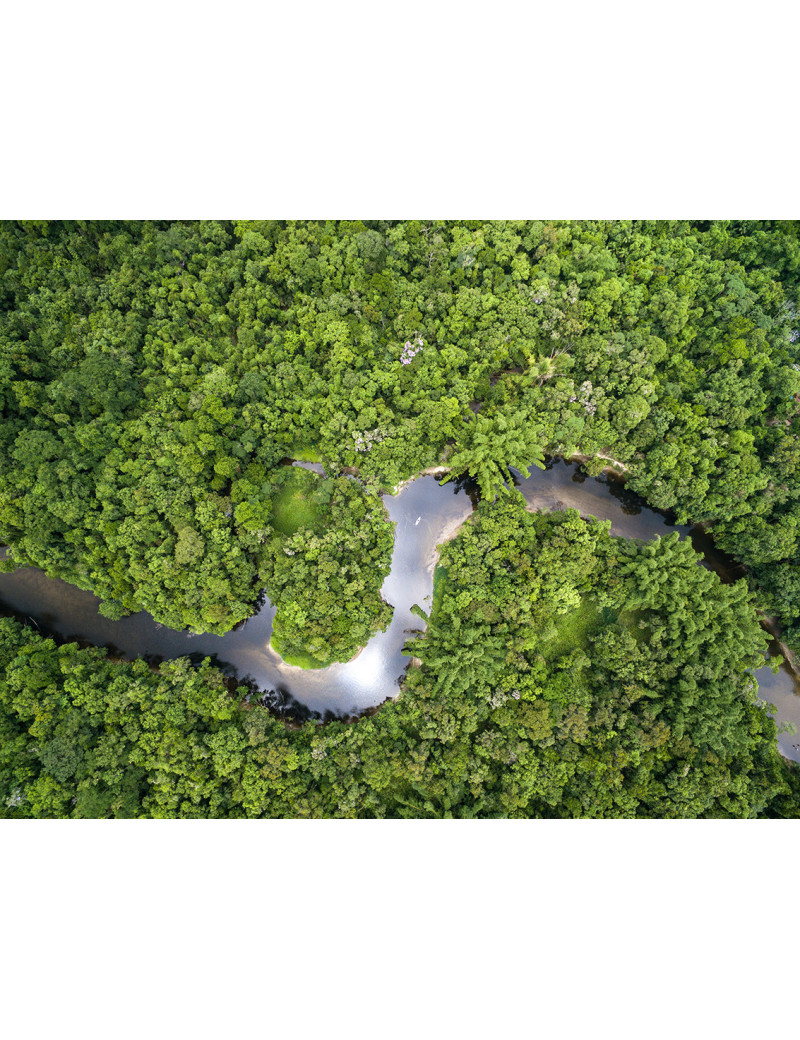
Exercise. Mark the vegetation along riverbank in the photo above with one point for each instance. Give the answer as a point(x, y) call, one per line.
point(155, 375)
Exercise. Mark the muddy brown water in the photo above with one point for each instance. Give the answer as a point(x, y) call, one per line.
point(425, 514)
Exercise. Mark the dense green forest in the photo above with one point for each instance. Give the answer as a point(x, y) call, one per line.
point(156, 376)
point(564, 673)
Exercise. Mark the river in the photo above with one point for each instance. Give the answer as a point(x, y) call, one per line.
point(425, 515)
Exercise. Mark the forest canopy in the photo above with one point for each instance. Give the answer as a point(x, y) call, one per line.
point(563, 673)
point(156, 377)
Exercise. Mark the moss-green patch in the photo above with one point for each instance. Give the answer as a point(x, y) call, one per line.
point(303, 453)
point(572, 630)
point(292, 507)
point(630, 619)
point(439, 583)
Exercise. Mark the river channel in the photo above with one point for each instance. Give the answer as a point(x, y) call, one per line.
point(425, 515)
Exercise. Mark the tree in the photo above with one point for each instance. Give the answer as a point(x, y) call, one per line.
point(492, 446)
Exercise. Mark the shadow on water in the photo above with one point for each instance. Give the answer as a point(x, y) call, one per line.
point(425, 514)
point(465, 485)
point(280, 702)
point(630, 502)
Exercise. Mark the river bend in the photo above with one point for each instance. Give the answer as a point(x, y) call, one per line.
point(425, 515)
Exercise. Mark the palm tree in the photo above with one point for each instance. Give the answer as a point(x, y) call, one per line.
point(545, 368)
point(493, 446)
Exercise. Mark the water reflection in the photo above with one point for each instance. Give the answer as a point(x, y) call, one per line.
point(425, 514)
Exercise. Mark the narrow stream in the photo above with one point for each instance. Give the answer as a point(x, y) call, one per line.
point(425, 515)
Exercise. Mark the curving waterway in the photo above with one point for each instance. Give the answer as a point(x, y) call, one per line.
point(425, 515)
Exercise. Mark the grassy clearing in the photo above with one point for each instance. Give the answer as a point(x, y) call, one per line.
point(630, 619)
point(301, 453)
point(439, 582)
point(292, 506)
point(573, 630)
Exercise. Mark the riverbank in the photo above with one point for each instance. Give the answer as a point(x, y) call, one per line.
point(615, 467)
point(432, 471)
point(426, 516)
point(788, 655)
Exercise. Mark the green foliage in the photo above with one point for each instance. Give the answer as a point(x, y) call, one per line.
point(154, 375)
point(601, 678)
point(293, 506)
point(572, 630)
point(493, 445)
point(324, 566)
point(551, 685)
